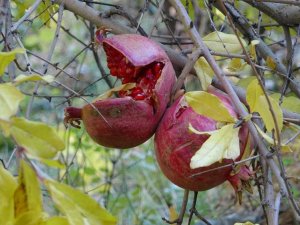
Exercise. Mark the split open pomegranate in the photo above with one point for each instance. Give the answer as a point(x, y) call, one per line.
point(130, 118)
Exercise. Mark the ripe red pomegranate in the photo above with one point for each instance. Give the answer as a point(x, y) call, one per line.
point(175, 145)
point(132, 117)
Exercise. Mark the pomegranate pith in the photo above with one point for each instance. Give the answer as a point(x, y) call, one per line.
point(175, 145)
point(132, 117)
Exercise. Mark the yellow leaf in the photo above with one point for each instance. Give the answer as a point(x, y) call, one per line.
point(258, 103)
point(29, 218)
point(208, 105)
point(10, 97)
point(269, 140)
point(28, 195)
point(5, 126)
point(223, 43)
point(37, 138)
point(271, 63)
point(7, 57)
point(247, 223)
point(263, 109)
point(236, 64)
point(254, 90)
point(52, 163)
point(224, 144)
point(109, 93)
point(8, 186)
point(244, 82)
point(34, 77)
point(253, 50)
point(204, 72)
point(56, 221)
point(172, 214)
point(77, 206)
point(290, 103)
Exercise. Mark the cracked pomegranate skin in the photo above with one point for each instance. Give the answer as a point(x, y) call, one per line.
point(131, 118)
point(175, 145)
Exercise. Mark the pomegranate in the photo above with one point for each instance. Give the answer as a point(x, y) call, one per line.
point(175, 145)
point(130, 118)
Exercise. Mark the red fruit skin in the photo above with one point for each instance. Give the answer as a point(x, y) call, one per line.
point(130, 123)
point(175, 145)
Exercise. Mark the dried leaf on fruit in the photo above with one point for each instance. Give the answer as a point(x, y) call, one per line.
point(10, 98)
point(223, 144)
point(223, 43)
point(109, 93)
point(208, 105)
point(38, 139)
point(78, 207)
point(204, 72)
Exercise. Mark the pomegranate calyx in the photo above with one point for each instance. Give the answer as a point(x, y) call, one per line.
point(241, 181)
point(72, 117)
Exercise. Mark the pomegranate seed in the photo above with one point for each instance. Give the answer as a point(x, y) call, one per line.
point(139, 97)
point(136, 90)
point(122, 93)
point(157, 68)
point(114, 71)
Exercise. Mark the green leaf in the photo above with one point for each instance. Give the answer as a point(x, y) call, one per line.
point(254, 90)
point(208, 105)
point(10, 98)
point(204, 72)
point(8, 186)
point(223, 144)
point(28, 195)
point(78, 207)
point(37, 138)
point(7, 57)
point(223, 43)
point(290, 103)
point(33, 77)
point(45, 10)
